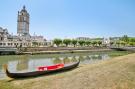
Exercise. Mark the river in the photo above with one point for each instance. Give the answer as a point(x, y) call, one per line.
point(25, 63)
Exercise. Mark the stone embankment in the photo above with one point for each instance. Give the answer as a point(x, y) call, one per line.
point(55, 50)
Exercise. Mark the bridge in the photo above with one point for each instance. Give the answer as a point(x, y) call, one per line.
point(8, 50)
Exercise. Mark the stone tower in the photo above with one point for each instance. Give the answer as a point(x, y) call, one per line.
point(23, 23)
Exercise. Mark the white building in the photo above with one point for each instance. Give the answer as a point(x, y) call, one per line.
point(23, 38)
point(106, 41)
point(39, 40)
point(83, 38)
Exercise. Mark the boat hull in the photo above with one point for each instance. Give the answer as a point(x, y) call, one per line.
point(38, 73)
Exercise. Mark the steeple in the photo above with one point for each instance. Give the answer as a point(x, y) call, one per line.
point(23, 22)
point(24, 7)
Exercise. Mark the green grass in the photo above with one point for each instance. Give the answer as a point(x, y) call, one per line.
point(118, 53)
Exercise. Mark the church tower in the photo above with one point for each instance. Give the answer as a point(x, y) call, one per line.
point(23, 23)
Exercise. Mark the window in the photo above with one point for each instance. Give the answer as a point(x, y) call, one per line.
point(24, 18)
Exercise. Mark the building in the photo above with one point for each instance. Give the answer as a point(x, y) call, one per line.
point(106, 41)
point(83, 38)
point(23, 30)
point(23, 23)
point(3, 34)
point(23, 37)
point(8, 40)
point(4, 37)
point(38, 41)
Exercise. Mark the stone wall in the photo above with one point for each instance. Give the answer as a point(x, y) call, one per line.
point(31, 49)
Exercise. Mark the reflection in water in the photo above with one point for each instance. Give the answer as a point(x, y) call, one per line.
point(22, 63)
point(66, 60)
point(57, 60)
point(81, 58)
point(74, 59)
point(88, 58)
point(25, 63)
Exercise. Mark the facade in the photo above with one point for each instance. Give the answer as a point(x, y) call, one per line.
point(8, 40)
point(83, 38)
point(106, 41)
point(3, 34)
point(38, 41)
point(23, 38)
point(23, 23)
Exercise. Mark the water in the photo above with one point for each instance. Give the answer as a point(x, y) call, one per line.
point(25, 63)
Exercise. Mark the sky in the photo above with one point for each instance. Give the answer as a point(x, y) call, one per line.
point(72, 18)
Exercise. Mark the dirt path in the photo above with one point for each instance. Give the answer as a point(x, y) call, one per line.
point(117, 73)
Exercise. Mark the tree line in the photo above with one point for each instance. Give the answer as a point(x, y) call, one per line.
point(121, 41)
point(124, 41)
point(74, 42)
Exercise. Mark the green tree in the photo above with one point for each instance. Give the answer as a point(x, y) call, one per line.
point(111, 43)
point(81, 42)
point(118, 43)
point(88, 43)
point(125, 38)
point(99, 43)
point(66, 41)
point(123, 43)
point(131, 43)
point(74, 42)
point(57, 41)
point(94, 43)
point(132, 39)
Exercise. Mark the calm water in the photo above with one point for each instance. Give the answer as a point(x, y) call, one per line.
point(24, 63)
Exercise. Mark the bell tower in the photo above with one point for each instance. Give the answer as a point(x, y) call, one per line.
point(23, 22)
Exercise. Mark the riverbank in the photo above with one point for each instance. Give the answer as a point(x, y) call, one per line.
point(63, 50)
point(116, 73)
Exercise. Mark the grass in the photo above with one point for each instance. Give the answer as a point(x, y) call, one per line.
point(118, 53)
point(4, 84)
point(117, 73)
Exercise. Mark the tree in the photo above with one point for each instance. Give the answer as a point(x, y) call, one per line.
point(88, 43)
point(131, 43)
point(74, 42)
point(132, 39)
point(57, 42)
point(111, 43)
point(118, 43)
point(125, 38)
point(66, 41)
point(122, 43)
point(81, 42)
point(94, 43)
point(99, 43)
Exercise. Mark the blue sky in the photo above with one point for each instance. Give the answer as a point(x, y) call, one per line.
point(72, 18)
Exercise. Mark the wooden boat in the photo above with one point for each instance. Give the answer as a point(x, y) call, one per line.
point(38, 73)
